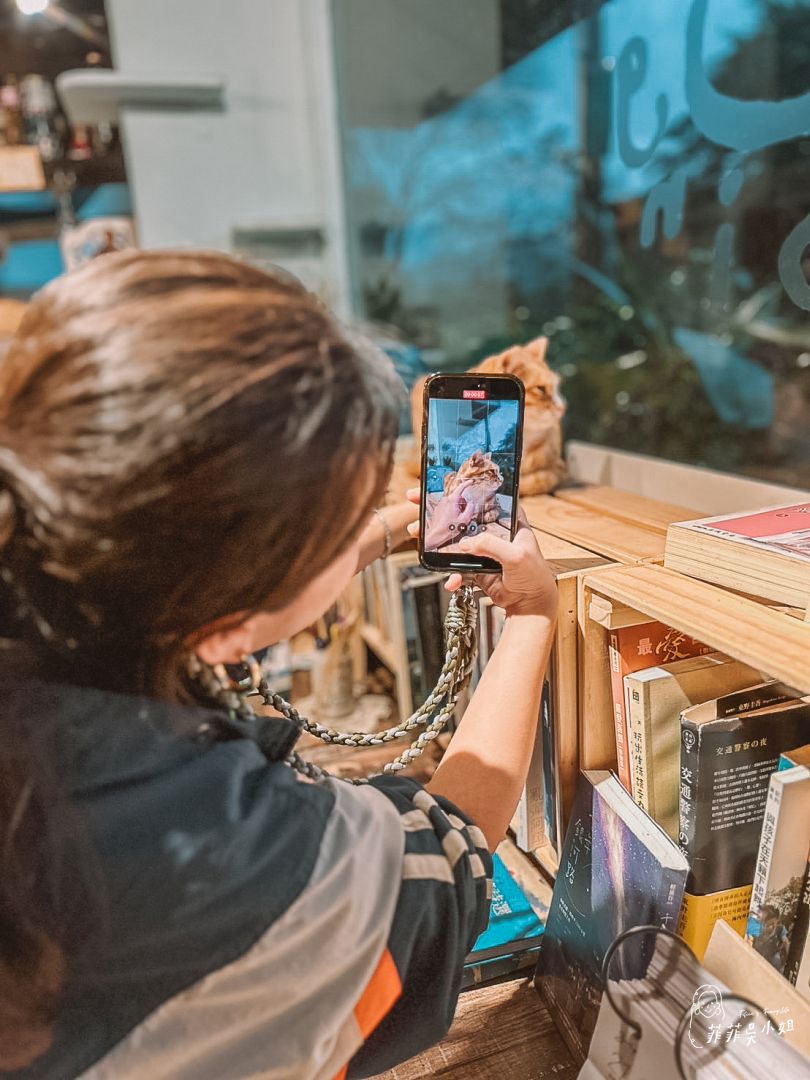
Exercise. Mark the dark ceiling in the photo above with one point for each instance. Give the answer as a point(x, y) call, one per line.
point(39, 44)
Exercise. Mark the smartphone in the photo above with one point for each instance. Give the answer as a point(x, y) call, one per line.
point(472, 435)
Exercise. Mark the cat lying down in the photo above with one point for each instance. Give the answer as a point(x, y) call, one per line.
point(542, 466)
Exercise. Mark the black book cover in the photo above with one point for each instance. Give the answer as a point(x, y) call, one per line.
point(801, 930)
point(618, 869)
point(726, 766)
point(431, 635)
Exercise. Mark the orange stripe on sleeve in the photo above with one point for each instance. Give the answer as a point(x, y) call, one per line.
point(379, 997)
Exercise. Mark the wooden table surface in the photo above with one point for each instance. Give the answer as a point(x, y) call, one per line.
point(501, 1032)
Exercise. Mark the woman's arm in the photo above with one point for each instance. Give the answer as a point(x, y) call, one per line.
point(484, 769)
point(372, 540)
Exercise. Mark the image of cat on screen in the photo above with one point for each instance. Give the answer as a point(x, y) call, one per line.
point(470, 470)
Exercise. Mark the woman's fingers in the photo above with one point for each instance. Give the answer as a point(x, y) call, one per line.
point(489, 546)
point(454, 583)
point(413, 495)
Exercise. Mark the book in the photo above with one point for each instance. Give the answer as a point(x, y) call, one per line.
point(531, 831)
point(430, 634)
point(729, 748)
point(797, 968)
point(729, 959)
point(618, 869)
point(677, 999)
point(765, 553)
point(781, 864)
point(799, 756)
point(632, 647)
point(551, 800)
point(512, 937)
point(655, 699)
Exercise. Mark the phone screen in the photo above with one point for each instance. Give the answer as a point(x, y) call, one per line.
point(471, 456)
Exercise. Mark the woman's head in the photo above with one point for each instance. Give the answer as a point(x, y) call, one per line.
point(185, 440)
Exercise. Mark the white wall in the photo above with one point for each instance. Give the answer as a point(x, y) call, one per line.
point(269, 159)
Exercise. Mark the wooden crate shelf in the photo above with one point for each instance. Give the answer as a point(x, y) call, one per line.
point(612, 538)
point(569, 563)
point(624, 506)
point(767, 638)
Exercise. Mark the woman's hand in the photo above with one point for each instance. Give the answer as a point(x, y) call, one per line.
point(526, 586)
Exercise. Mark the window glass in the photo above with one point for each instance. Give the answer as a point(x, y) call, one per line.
point(631, 179)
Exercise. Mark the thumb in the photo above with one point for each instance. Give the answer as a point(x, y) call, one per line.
point(489, 546)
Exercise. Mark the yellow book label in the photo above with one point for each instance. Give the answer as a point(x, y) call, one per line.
point(700, 913)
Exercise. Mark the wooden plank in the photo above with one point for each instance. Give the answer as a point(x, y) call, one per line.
point(626, 506)
point(565, 703)
point(749, 631)
point(498, 1031)
point(597, 739)
point(690, 485)
point(564, 557)
point(615, 540)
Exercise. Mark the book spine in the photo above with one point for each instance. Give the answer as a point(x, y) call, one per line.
point(619, 718)
point(638, 722)
point(670, 899)
point(431, 637)
point(800, 938)
point(688, 782)
point(551, 810)
point(765, 855)
point(531, 831)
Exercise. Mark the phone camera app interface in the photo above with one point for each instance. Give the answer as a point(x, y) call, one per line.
point(471, 456)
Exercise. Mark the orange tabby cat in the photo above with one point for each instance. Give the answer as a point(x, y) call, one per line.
point(542, 466)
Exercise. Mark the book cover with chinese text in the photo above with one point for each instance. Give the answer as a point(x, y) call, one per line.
point(655, 699)
point(634, 648)
point(617, 870)
point(729, 749)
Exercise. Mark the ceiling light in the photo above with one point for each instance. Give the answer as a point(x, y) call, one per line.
point(32, 7)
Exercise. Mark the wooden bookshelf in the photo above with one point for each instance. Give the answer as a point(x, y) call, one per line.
point(612, 538)
point(769, 638)
point(569, 563)
point(624, 506)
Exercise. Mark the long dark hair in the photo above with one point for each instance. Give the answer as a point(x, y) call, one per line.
point(184, 438)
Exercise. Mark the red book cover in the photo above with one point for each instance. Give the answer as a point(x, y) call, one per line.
point(785, 529)
point(635, 648)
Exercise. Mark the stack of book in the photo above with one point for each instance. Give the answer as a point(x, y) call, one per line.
point(766, 553)
point(618, 869)
point(698, 735)
point(674, 1002)
point(779, 918)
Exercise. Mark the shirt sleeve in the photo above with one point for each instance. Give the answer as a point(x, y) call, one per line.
point(443, 907)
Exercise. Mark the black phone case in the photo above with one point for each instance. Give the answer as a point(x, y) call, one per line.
point(466, 564)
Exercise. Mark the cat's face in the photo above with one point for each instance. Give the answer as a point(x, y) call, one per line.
point(528, 363)
point(482, 468)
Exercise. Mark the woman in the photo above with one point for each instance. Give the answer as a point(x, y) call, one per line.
point(190, 453)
